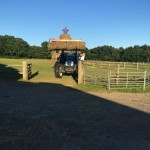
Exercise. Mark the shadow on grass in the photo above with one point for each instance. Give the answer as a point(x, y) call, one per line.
point(34, 75)
point(9, 73)
point(75, 77)
point(46, 116)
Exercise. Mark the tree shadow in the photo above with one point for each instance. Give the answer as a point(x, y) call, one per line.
point(9, 73)
point(51, 116)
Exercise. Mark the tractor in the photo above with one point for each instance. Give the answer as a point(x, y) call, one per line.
point(66, 64)
point(65, 51)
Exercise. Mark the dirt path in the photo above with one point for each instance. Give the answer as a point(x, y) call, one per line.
point(46, 116)
point(134, 100)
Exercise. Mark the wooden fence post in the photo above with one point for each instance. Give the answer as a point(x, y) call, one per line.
point(127, 80)
point(137, 66)
point(80, 72)
point(95, 79)
point(84, 76)
point(109, 76)
point(144, 80)
point(25, 70)
point(124, 65)
point(117, 73)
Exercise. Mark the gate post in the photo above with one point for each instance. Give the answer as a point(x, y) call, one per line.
point(80, 72)
point(109, 77)
point(25, 70)
point(144, 80)
point(117, 73)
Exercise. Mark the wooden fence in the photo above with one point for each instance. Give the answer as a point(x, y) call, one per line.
point(26, 70)
point(116, 75)
point(124, 80)
point(94, 77)
point(122, 65)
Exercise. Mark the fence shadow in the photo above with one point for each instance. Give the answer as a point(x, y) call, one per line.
point(52, 116)
point(33, 75)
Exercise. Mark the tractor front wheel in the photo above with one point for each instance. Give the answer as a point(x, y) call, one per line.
point(58, 70)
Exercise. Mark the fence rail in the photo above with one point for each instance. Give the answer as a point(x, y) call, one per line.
point(116, 75)
point(122, 65)
point(26, 70)
point(128, 80)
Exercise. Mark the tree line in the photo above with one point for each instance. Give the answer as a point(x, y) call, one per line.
point(11, 46)
point(130, 54)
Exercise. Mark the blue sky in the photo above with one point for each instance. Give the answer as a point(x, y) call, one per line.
point(119, 23)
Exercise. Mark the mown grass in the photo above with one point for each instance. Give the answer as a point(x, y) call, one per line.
point(46, 74)
point(99, 88)
point(44, 68)
point(96, 75)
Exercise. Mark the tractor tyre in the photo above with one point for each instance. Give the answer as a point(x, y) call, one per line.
point(58, 70)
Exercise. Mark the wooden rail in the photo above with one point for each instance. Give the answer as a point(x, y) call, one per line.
point(27, 69)
point(122, 65)
point(125, 80)
point(80, 72)
point(116, 75)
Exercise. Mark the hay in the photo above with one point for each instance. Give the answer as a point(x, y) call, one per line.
point(65, 37)
point(66, 45)
point(55, 55)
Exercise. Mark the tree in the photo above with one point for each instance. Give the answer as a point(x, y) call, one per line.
point(11, 46)
point(115, 56)
point(130, 54)
point(39, 52)
point(45, 51)
point(18, 48)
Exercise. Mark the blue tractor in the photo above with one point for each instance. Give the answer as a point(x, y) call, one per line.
point(66, 63)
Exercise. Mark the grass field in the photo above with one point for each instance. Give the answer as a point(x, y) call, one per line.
point(46, 73)
point(96, 74)
point(101, 68)
point(43, 67)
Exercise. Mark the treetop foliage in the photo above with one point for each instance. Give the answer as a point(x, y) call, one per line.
point(18, 48)
point(11, 46)
point(130, 54)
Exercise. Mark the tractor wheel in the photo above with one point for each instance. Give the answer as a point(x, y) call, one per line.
point(58, 71)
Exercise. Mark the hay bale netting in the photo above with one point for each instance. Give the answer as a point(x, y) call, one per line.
point(65, 37)
point(66, 45)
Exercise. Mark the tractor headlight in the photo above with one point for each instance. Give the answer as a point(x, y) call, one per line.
point(72, 63)
point(66, 64)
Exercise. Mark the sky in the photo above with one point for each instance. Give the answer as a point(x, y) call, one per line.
point(118, 23)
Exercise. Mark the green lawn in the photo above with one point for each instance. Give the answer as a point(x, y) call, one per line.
point(43, 67)
point(96, 74)
point(46, 73)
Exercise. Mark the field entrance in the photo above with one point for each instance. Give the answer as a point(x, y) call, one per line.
point(43, 70)
point(95, 73)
